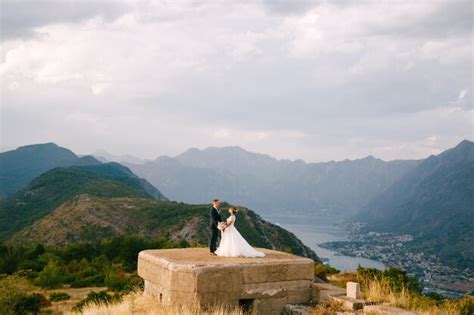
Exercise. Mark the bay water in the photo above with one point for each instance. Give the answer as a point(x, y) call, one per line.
point(320, 228)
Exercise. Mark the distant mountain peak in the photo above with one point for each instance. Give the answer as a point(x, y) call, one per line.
point(464, 144)
point(463, 150)
point(50, 144)
point(36, 146)
point(20, 166)
point(371, 158)
point(104, 156)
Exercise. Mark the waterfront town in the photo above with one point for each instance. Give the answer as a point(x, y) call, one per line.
point(395, 250)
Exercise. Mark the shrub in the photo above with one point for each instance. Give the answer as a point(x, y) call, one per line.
point(395, 278)
point(435, 296)
point(115, 278)
point(22, 303)
point(11, 289)
point(100, 263)
point(50, 277)
point(26, 303)
point(134, 283)
point(92, 281)
point(399, 280)
point(394, 287)
point(10, 257)
point(59, 296)
point(30, 265)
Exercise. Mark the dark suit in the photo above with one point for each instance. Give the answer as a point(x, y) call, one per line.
point(215, 219)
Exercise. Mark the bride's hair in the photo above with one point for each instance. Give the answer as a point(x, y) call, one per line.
point(233, 209)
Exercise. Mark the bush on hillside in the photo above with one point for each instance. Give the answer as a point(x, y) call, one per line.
point(394, 287)
point(50, 277)
point(15, 299)
point(397, 279)
point(109, 262)
point(92, 281)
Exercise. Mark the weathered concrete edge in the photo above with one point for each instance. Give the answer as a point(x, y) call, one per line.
point(175, 266)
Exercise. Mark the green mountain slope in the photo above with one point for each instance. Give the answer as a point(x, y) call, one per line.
point(89, 203)
point(435, 203)
point(56, 186)
point(87, 218)
point(18, 167)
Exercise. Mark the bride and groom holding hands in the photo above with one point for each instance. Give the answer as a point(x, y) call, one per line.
point(232, 243)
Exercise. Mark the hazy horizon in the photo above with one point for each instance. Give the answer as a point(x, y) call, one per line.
point(98, 153)
point(311, 80)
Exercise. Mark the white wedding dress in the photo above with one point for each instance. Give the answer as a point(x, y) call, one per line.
point(233, 244)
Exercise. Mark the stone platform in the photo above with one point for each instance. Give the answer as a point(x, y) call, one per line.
point(191, 276)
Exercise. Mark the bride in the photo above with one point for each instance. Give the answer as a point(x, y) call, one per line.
point(232, 243)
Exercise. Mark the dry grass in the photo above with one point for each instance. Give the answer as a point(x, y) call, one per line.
point(76, 294)
point(138, 304)
point(380, 292)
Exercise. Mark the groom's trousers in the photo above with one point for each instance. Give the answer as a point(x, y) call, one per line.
point(213, 240)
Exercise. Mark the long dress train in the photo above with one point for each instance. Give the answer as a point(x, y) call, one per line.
point(233, 244)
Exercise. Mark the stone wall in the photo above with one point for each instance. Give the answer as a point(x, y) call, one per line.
point(197, 279)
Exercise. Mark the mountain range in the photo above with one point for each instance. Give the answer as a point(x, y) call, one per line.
point(265, 183)
point(79, 203)
point(431, 199)
point(435, 203)
point(55, 196)
point(18, 167)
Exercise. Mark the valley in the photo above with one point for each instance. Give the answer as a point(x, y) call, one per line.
point(322, 228)
point(416, 215)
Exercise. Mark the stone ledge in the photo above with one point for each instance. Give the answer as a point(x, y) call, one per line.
point(350, 303)
point(326, 291)
point(199, 258)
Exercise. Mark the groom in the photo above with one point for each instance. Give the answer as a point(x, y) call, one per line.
point(215, 219)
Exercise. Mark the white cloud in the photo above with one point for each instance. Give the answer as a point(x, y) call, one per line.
point(322, 81)
point(463, 101)
point(381, 34)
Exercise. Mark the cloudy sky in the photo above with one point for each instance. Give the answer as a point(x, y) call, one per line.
point(316, 80)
